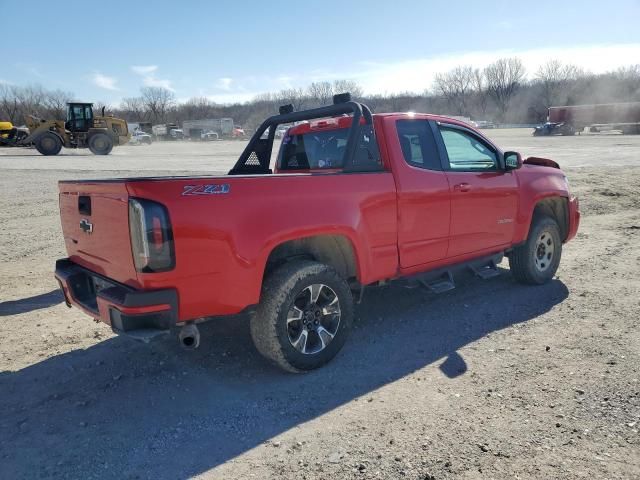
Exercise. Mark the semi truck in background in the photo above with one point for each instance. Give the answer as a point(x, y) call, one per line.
point(567, 120)
point(194, 129)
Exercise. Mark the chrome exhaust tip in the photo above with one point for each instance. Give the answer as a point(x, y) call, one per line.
point(189, 336)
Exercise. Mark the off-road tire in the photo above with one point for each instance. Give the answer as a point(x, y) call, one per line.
point(522, 259)
point(100, 144)
point(269, 324)
point(48, 144)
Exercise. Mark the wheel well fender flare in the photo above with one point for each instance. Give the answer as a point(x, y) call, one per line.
point(33, 138)
point(338, 250)
point(552, 205)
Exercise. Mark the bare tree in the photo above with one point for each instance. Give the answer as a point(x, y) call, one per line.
point(320, 93)
point(503, 80)
point(628, 79)
point(554, 77)
point(31, 100)
point(55, 103)
point(479, 86)
point(9, 104)
point(98, 106)
point(351, 86)
point(133, 109)
point(455, 86)
point(295, 96)
point(470, 92)
point(197, 108)
point(158, 101)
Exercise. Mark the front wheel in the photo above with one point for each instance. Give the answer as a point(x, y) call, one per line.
point(537, 261)
point(304, 316)
point(48, 144)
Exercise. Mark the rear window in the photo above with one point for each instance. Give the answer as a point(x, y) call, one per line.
point(313, 150)
point(418, 144)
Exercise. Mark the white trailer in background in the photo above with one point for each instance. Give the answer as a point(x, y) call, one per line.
point(195, 128)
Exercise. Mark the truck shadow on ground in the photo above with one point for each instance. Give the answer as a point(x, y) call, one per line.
point(126, 410)
point(37, 302)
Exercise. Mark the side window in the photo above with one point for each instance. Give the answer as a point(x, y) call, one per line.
point(466, 152)
point(417, 143)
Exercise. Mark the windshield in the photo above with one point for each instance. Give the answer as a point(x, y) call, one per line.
point(313, 150)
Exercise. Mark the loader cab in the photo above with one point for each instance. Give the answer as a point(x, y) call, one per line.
point(79, 117)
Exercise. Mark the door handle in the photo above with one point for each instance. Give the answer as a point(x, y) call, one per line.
point(462, 187)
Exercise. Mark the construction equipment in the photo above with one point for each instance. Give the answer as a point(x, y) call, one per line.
point(10, 134)
point(80, 130)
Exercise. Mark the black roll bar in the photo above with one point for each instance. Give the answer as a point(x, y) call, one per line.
point(357, 109)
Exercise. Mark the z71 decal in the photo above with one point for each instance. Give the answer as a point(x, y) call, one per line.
point(216, 189)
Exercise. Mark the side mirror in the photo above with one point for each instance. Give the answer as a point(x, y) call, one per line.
point(512, 160)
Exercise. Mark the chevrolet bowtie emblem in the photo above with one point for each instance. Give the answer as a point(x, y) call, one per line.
point(86, 226)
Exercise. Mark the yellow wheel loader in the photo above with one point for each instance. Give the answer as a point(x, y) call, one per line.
point(80, 130)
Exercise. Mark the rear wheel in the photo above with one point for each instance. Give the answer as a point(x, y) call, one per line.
point(48, 144)
point(537, 261)
point(100, 144)
point(304, 316)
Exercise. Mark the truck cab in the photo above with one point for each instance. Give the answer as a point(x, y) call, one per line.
point(79, 117)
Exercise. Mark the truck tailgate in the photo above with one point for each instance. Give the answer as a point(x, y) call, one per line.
point(95, 225)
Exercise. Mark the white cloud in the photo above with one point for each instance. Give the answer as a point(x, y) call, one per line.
point(233, 97)
point(224, 83)
point(144, 69)
point(415, 75)
point(285, 81)
point(104, 81)
point(149, 79)
point(244, 89)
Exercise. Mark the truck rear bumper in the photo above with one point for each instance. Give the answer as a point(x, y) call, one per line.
point(141, 315)
point(574, 218)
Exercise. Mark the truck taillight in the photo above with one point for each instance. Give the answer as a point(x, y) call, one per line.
point(151, 236)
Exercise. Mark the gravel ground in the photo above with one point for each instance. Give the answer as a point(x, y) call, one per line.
point(491, 380)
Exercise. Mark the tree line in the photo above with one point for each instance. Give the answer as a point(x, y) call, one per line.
point(501, 92)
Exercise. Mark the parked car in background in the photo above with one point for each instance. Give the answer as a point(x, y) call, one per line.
point(485, 124)
point(176, 134)
point(281, 131)
point(238, 132)
point(209, 136)
point(140, 138)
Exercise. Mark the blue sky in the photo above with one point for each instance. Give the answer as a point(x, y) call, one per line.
point(231, 51)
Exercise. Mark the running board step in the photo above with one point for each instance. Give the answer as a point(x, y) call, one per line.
point(485, 271)
point(441, 284)
point(441, 279)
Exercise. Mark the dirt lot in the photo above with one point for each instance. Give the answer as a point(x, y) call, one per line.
point(491, 380)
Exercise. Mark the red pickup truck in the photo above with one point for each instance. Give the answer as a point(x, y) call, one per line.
point(350, 200)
